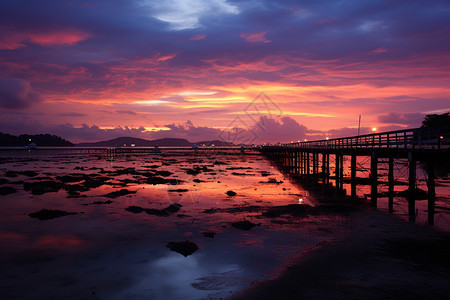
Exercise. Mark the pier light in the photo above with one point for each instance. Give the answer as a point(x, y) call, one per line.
point(300, 200)
point(441, 137)
point(374, 129)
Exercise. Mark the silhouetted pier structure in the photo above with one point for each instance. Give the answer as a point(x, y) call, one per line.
point(311, 161)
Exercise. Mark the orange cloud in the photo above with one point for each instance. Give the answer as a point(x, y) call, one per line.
point(198, 37)
point(13, 40)
point(255, 37)
point(166, 57)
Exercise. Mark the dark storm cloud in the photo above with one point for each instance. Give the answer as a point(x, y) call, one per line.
point(410, 119)
point(17, 94)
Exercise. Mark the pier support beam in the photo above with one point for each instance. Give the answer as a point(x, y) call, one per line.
point(353, 175)
point(391, 184)
point(431, 191)
point(374, 178)
point(307, 163)
point(337, 172)
point(412, 187)
point(341, 173)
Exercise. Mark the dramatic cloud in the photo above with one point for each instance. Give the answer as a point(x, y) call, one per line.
point(410, 119)
point(146, 63)
point(255, 37)
point(16, 40)
point(186, 14)
point(17, 94)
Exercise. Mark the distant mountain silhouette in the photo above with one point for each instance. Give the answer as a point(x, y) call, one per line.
point(137, 142)
point(9, 140)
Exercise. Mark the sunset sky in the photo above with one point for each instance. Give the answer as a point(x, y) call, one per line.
point(194, 69)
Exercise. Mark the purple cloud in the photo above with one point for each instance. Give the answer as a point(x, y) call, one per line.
point(410, 119)
point(17, 94)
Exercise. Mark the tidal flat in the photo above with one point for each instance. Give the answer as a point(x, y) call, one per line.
point(157, 226)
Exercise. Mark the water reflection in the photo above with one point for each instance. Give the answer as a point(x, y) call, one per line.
point(106, 251)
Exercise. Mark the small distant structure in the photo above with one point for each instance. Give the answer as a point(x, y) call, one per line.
point(30, 145)
point(156, 149)
point(195, 147)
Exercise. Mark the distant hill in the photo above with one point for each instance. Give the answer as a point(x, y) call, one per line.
point(166, 142)
point(215, 143)
point(128, 141)
point(9, 140)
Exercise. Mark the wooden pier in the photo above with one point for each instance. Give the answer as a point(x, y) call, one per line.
point(311, 161)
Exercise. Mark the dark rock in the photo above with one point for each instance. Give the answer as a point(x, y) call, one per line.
point(163, 173)
point(47, 214)
point(173, 207)
point(71, 178)
point(198, 180)
point(159, 180)
point(157, 212)
point(42, 187)
point(134, 209)
point(119, 193)
point(209, 234)
point(179, 190)
point(102, 202)
point(272, 180)
point(238, 174)
point(231, 193)
point(184, 248)
point(16, 173)
point(6, 190)
point(164, 212)
point(3, 180)
point(417, 194)
point(244, 225)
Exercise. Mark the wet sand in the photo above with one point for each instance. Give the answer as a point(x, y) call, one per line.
point(379, 256)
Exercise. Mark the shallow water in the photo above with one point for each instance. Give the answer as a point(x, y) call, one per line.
point(106, 252)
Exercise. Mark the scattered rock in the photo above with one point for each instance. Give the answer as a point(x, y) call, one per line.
point(6, 190)
point(184, 248)
point(119, 193)
point(42, 187)
point(417, 193)
point(47, 214)
point(134, 209)
point(209, 234)
point(163, 173)
point(231, 193)
point(164, 212)
point(244, 225)
point(238, 174)
point(99, 202)
point(272, 180)
point(179, 190)
point(71, 177)
point(159, 180)
point(173, 207)
point(16, 173)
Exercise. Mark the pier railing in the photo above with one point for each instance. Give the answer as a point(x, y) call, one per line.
point(417, 138)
